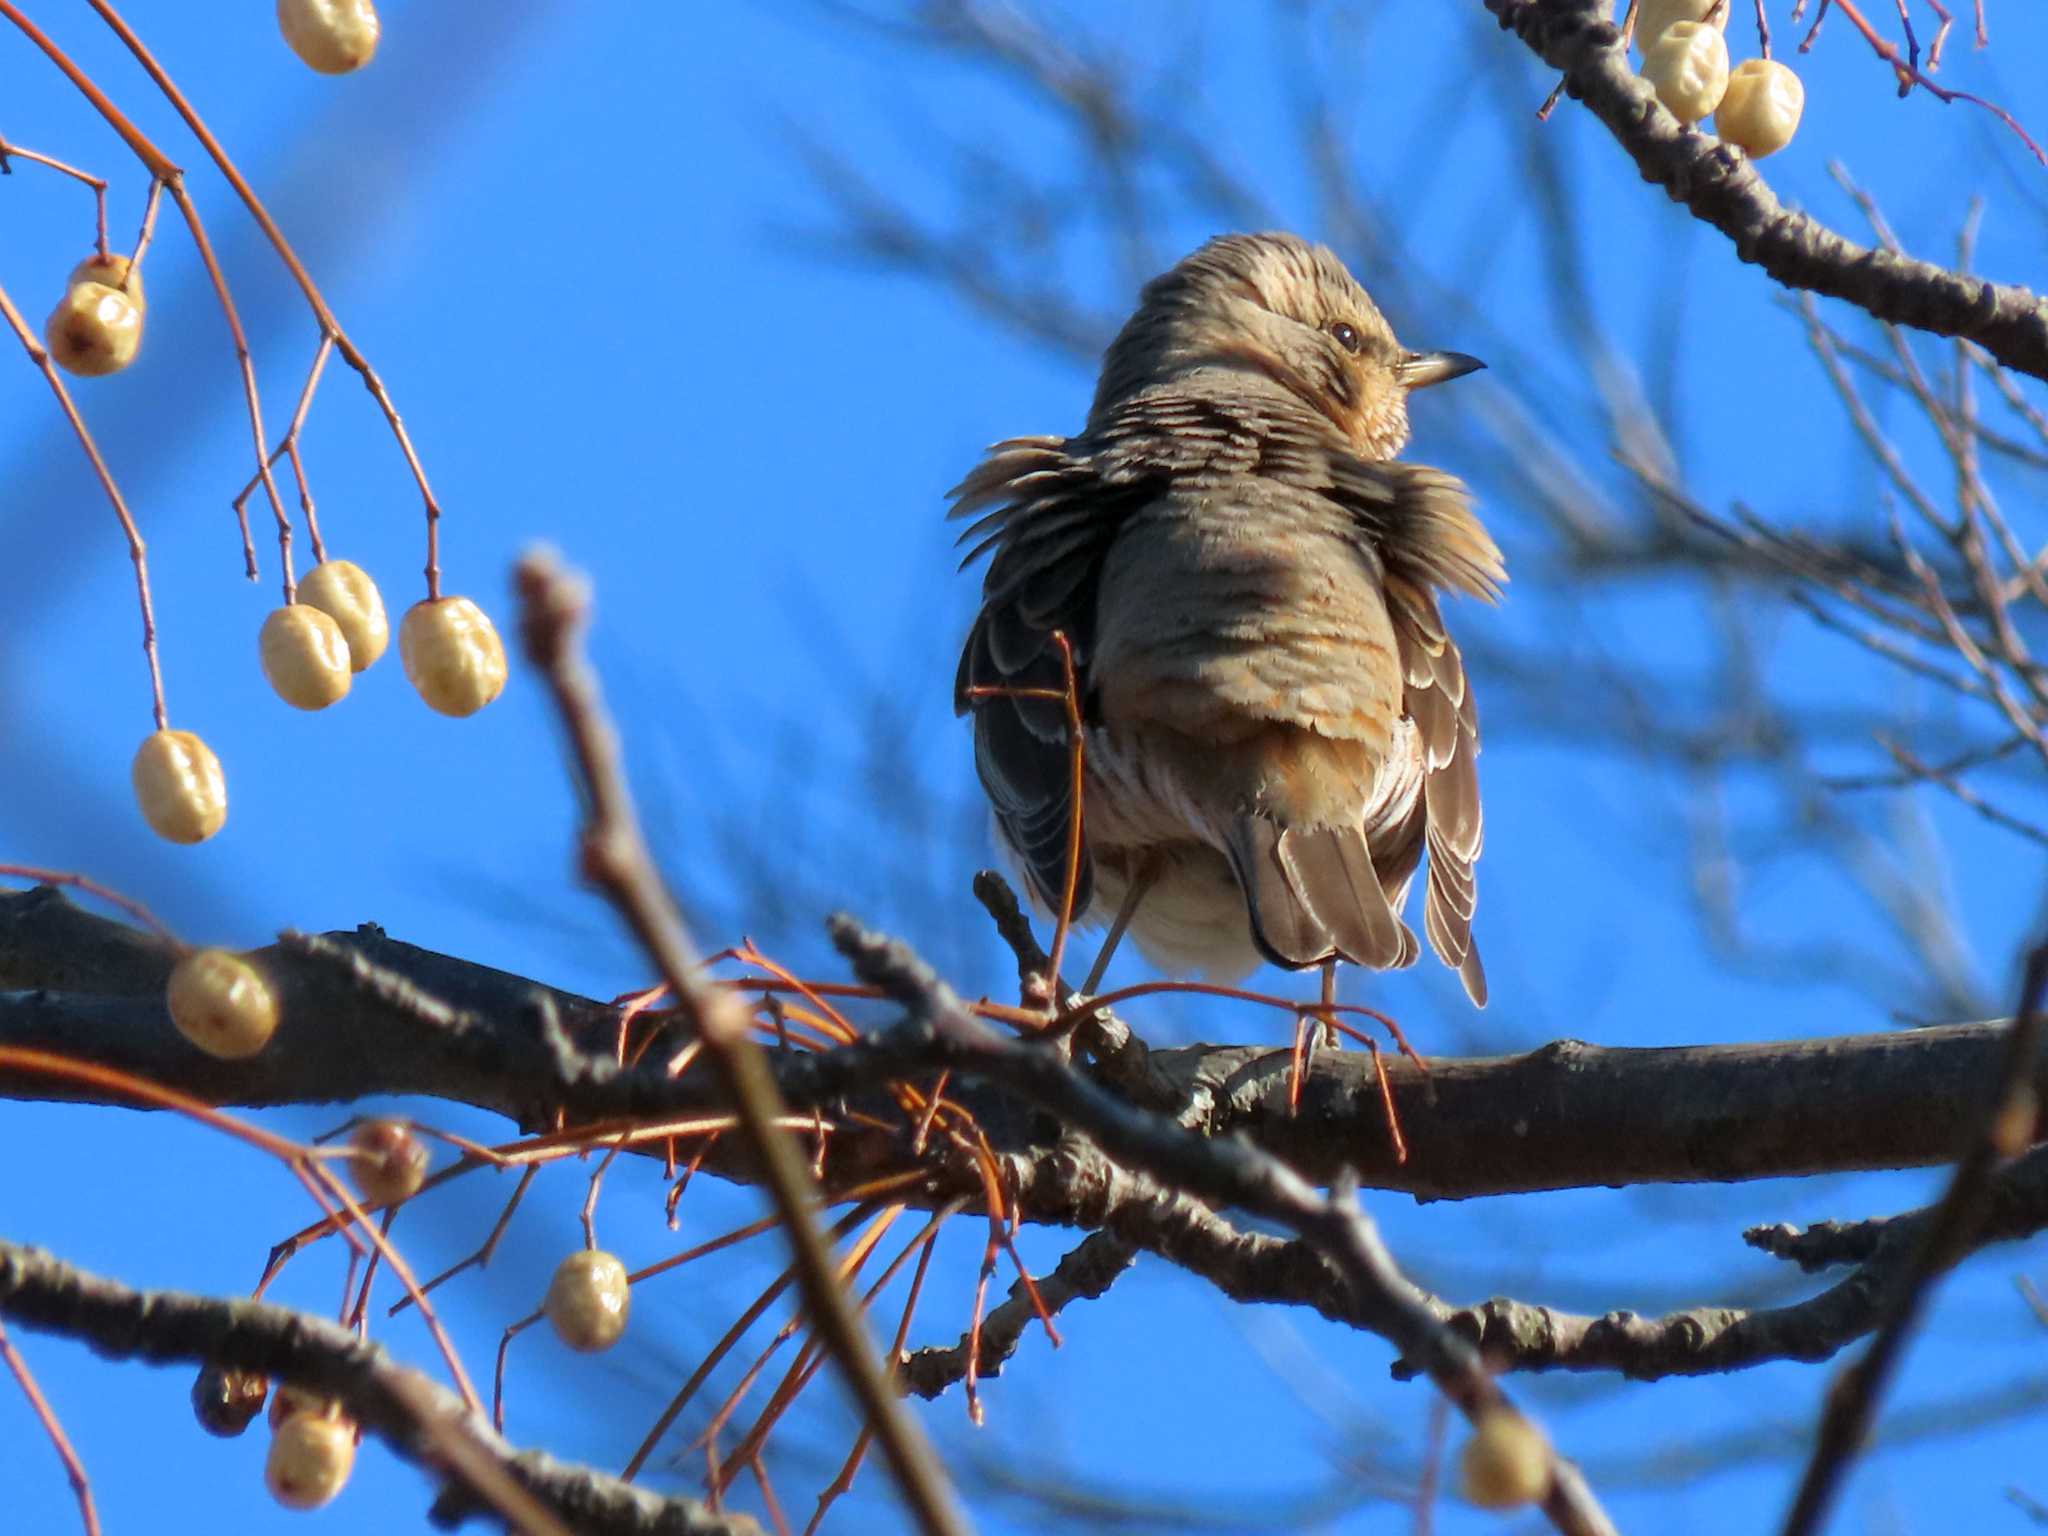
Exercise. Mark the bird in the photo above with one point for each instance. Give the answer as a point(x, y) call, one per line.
point(1277, 728)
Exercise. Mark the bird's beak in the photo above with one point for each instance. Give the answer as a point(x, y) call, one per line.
point(1418, 370)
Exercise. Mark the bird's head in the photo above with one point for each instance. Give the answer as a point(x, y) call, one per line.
point(1277, 306)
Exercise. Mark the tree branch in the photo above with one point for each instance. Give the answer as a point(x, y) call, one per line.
point(1720, 186)
point(421, 1421)
point(1566, 1115)
point(1516, 1335)
point(1229, 1173)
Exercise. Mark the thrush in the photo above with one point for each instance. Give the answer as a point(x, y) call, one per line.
point(1277, 726)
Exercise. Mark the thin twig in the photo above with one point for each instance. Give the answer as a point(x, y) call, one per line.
point(97, 183)
point(163, 169)
point(330, 328)
point(1920, 772)
point(74, 1469)
point(613, 857)
point(137, 552)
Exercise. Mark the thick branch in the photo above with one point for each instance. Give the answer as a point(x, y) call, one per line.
point(1721, 187)
point(1566, 1115)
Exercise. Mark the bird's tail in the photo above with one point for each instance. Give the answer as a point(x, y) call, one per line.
point(1313, 894)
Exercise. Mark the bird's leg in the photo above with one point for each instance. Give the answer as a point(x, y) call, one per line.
point(1144, 871)
point(1313, 1029)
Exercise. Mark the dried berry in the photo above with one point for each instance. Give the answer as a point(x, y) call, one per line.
point(343, 591)
point(310, 1458)
point(1760, 111)
point(305, 656)
point(390, 1163)
point(221, 1003)
point(1655, 17)
point(588, 1300)
point(1688, 66)
point(1506, 1463)
point(179, 785)
point(452, 655)
point(94, 330)
point(331, 36)
point(225, 1401)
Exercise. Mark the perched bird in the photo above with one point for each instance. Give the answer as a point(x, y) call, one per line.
point(1277, 726)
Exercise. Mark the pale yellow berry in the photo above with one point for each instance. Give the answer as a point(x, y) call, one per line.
point(343, 591)
point(1688, 66)
point(94, 330)
point(288, 1401)
point(332, 36)
point(109, 272)
point(1760, 111)
point(221, 1003)
point(588, 1300)
point(179, 785)
point(310, 1459)
point(305, 657)
point(1506, 1463)
point(1655, 17)
point(390, 1163)
point(452, 655)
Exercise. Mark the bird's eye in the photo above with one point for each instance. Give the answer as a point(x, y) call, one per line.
point(1346, 335)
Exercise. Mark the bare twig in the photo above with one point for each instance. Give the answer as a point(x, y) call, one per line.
point(1084, 1273)
point(1917, 771)
point(137, 552)
point(74, 1469)
point(555, 608)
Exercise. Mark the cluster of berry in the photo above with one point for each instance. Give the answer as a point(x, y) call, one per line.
point(1755, 106)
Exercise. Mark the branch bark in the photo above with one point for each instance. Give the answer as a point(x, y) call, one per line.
point(1516, 1335)
point(1566, 1115)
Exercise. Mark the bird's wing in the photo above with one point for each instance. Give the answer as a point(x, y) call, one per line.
point(1048, 513)
point(1421, 523)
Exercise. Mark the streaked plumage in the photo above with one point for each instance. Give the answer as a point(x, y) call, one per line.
point(1249, 579)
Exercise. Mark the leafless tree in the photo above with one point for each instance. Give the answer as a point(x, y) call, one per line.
point(1853, 705)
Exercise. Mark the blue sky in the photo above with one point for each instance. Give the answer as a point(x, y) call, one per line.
point(580, 248)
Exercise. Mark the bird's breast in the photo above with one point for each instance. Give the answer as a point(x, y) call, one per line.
point(1223, 609)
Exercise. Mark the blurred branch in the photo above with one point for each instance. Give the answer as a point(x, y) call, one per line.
point(2007, 1119)
point(555, 608)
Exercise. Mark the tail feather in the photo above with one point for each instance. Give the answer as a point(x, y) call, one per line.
point(1285, 929)
point(1313, 893)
